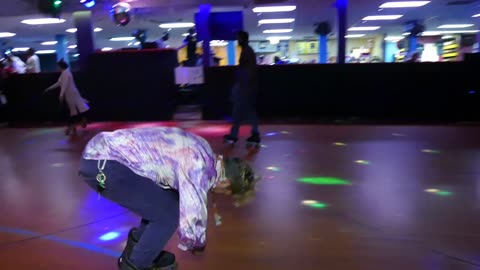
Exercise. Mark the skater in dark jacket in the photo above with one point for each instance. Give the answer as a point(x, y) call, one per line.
point(163, 175)
point(244, 92)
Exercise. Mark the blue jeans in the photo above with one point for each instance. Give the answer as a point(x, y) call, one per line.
point(158, 207)
point(243, 107)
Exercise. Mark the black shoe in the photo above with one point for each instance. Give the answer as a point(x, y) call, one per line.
point(230, 139)
point(164, 259)
point(124, 263)
point(255, 138)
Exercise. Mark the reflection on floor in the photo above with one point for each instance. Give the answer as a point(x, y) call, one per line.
point(331, 197)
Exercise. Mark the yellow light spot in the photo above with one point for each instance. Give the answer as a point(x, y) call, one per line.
point(363, 162)
point(309, 202)
point(432, 190)
point(339, 144)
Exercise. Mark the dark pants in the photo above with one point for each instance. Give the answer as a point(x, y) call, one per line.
point(158, 207)
point(243, 107)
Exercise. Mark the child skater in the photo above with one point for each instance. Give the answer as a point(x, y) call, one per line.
point(163, 175)
point(69, 93)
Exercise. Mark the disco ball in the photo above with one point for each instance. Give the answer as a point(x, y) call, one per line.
point(121, 13)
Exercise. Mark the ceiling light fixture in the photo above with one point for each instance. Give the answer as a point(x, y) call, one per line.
point(439, 33)
point(48, 43)
point(74, 30)
point(355, 36)
point(404, 4)
point(394, 39)
point(277, 31)
point(45, 51)
point(72, 46)
point(20, 49)
point(7, 34)
point(43, 21)
point(279, 38)
point(218, 43)
point(364, 28)
point(106, 49)
point(476, 15)
point(447, 26)
point(382, 17)
point(276, 21)
point(274, 9)
point(122, 39)
point(176, 25)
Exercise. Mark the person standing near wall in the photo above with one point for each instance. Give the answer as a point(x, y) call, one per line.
point(33, 62)
point(244, 93)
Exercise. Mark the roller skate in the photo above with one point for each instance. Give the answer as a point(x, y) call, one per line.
point(254, 141)
point(164, 261)
point(71, 130)
point(229, 139)
point(124, 263)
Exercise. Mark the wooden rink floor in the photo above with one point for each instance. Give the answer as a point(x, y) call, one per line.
point(331, 197)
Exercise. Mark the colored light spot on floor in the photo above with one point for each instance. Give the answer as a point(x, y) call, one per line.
point(263, 146)
point(271, 134)
point(398, 135)
point(314, 204)
point(109, 236)
point(430, 151)
point(284, 132)
point(324, 181)
point(58, 165)
point(432, 190)
point(275, 169)
point(339, 144)
point(443, 193)
point(362, 162)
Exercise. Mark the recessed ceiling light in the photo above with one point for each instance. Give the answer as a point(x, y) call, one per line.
point(43, 21)
point(405, 33)
point(277, 31)
point(439, 33)
point(355, 36)
point(49, 43)
point(72, 46)
point(176, 25)
point(455, 26)
point(74, 30)
point(382, 17)
point(7, 34)
point(218, 43)
point(274, 9)
point(393, 38)
point(122, 39)
point(106, 49)
point(364, 28)
point(476, 15)
point(404, 4)
point(45, 51)
point(275, 21)
point(447, 37)
point(279, 38)
point(21, 49)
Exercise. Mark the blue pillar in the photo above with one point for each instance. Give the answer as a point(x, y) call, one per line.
point(342, 29)
point(322, 49)
point(61, 48)
point(412, 44)
point(231, 53)
point(203, 30)
point(85, 36)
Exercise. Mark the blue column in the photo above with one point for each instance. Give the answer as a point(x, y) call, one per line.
point(342, 29)
point(322, 49)
point(61, 48)
point(231, 53)
point(203, 30)
point(85, 36)
point(412, 44)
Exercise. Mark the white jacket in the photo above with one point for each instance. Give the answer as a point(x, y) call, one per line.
point(68, 91)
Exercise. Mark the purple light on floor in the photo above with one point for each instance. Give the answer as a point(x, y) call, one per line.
point(109, 236)
point(271, 134)
point(471, 92)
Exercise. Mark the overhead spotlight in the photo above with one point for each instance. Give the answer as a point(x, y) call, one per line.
point(88, 3)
